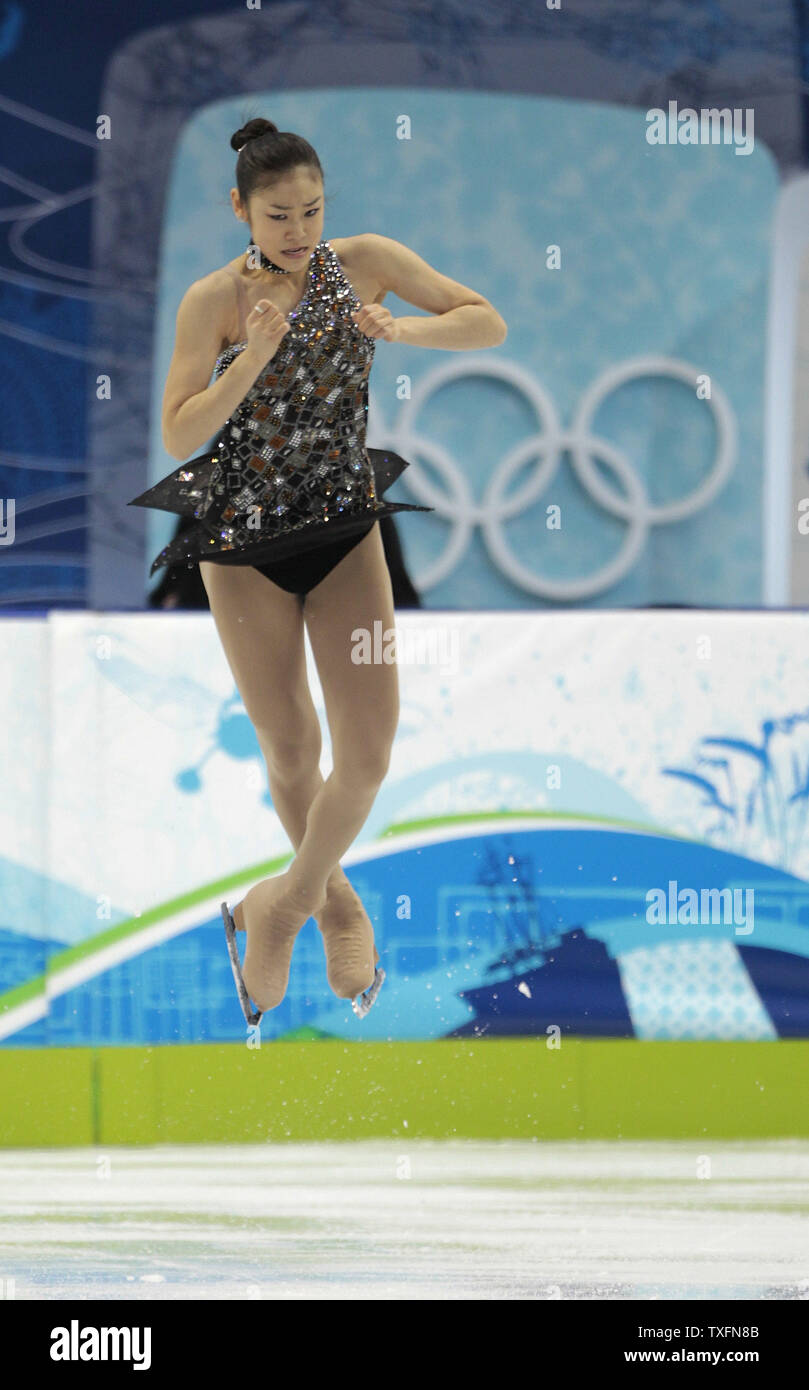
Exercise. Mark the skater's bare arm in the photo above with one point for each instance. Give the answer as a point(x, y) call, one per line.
point(459, 317)
point(193, 410)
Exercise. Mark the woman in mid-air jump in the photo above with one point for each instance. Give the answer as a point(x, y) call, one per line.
point(287, 504)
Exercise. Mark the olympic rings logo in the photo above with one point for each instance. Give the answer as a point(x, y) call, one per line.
point(457, 506)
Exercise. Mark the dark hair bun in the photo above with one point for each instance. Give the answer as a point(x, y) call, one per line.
point(251, 131)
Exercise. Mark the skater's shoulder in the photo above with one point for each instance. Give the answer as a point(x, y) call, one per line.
point(210, 294)
point(353, 252)
point(215, 288)
point(209, 304)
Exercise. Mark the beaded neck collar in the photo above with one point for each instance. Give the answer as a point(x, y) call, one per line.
point(266, 263)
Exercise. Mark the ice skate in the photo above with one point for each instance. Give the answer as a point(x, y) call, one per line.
point(362, 1004)
point(270, 941)
point(351, 956)
point(252, 1015)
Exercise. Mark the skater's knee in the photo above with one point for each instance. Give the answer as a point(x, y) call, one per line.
point(293, 751)
point(363, 766)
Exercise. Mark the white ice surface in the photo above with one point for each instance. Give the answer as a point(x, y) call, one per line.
point(408, 1220)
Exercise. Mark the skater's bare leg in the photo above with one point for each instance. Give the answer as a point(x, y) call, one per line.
point(257, 622)
point(261, 630)
point(260, 627)
point(362, 708)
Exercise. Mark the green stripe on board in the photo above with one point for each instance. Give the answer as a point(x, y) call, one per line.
point(472, 817)
point(496, 1088)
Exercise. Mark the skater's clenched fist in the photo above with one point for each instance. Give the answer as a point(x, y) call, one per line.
point(266, 326)
point(375, 321)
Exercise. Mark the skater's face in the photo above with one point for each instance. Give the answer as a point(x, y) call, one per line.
point(284, 216)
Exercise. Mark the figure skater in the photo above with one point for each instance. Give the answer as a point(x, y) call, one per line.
point(286, 505)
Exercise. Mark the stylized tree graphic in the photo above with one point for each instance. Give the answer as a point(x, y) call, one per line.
point(759, 791)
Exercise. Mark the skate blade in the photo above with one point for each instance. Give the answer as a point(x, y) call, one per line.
point(250, 1014)
point(364, 1001)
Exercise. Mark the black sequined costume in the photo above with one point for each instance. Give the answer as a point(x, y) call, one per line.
point(289, 486)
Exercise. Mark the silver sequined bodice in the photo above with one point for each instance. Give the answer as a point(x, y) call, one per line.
point(293, 452)
point(290, 468)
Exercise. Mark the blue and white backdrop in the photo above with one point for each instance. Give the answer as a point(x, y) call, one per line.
point(595, 823)
point(483, 139)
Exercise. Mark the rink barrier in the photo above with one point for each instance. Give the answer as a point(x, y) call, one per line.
point(498, 1088)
